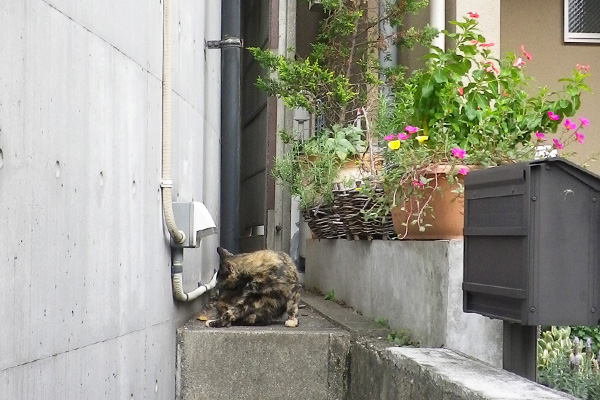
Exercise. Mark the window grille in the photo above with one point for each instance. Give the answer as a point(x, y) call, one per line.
point(582, 21)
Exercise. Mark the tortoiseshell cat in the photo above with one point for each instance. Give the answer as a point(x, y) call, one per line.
point(255, 288)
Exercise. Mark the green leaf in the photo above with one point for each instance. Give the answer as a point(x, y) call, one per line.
point(470, 111)
point(439, 75)
point(427, 88)
point(481, 101)
point(341, 154)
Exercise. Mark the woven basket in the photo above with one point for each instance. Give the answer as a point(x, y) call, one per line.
point(324, 223)
point(350, 205)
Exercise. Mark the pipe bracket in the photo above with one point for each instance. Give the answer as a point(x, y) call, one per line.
point(219, 44)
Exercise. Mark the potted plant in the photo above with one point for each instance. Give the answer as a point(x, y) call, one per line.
point(463, 110)
point(311, 168)
point(337, 81)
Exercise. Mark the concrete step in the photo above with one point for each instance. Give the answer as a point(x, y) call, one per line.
point(263, 363)
point(335, 354)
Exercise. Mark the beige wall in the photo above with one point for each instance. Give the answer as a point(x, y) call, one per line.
point(538, 25)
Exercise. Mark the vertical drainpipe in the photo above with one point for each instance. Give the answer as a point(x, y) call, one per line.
point(388, 57)
point(437, 19)
point(230, 123)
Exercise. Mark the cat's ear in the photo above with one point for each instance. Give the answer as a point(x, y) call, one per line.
point(224, 270)
point(224, 253)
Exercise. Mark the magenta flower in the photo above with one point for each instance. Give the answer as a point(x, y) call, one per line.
point(584, 121)
point(518, 63)
point(540, 136)
point(388, 137)
point(579, 137)
point(458, 152)
point(417, 183)
point(411, 129)
point(557, 144)
point(569, 124)
point(403, 136)
point(552, 116)
point(463, 171)
point(473, 15)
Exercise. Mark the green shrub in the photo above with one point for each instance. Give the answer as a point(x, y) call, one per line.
point(565, 363)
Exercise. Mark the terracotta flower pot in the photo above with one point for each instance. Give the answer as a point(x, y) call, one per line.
point(446, 212)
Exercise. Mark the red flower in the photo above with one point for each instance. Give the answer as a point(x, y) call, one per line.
point(460, 91)
point(473, 15)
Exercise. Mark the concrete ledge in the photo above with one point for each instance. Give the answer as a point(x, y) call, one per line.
point(335, 354)
point(425, 374)
point(378, 371)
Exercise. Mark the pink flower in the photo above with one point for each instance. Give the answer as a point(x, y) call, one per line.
point(486, 44)
point(584, 121)
point(417, 183)
point(473, 41)
point(519, 63)
point(582, 68)
point(579, 137)
point(460, 91)
point(557, 144)
point(388, 137)
point(473, 15)
point(525, 54)
point(411, 129)
point(458, 152)
point(403, 136)
point(463, 171)
point(569, 125)
point(540, 136)
point(552, 116)
point(490, 67)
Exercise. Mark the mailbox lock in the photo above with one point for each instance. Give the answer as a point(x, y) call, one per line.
point(534, 198)
point(594, 200)
point(532, 309)
point(593, 309)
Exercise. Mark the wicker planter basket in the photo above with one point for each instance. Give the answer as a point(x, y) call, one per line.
point(324, 223)
point(349, 206)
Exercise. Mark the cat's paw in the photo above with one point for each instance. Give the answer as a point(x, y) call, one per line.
point(291, 323)
point(217, 323)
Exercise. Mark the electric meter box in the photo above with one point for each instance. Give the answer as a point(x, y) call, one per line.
point(531, 243)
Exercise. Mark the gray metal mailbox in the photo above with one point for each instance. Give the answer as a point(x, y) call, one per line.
point(531, 248)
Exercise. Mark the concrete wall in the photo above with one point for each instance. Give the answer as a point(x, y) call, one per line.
point(86, 308)
point(415, 285)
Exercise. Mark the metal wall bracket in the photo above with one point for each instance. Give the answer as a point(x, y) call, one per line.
point(219, 44)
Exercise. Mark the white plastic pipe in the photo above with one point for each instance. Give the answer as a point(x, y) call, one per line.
point(437, 19)
point(166, 181)
point(194, 294)
point(177, 278)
